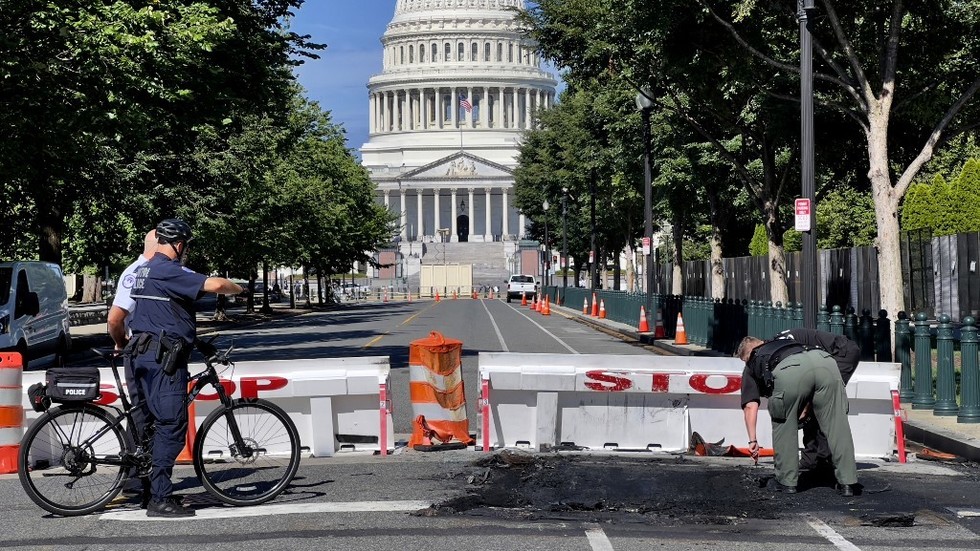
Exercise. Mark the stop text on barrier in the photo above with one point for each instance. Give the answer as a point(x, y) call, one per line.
point(600, 380)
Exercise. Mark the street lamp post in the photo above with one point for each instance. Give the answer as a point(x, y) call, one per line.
point(809, 255)
point(644, 102)
point(547, 253)
point(564, 239)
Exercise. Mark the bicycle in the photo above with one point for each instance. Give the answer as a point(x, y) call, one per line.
point(76, 457)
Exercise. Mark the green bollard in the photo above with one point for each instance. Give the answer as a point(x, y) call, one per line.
point(969, 374)
point(797, 316)
point(850, 325)
point(923, 397)
point(866, 336)
point(903, 355)
point(836, 321)
point(753, 319)
point(778, 314)
point(823, 319)
point(767, 321)
point(945, 373)
point(883, 337)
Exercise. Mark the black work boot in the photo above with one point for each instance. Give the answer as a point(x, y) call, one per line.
point(170, 508)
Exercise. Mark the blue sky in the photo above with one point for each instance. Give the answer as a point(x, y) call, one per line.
point(352, 31)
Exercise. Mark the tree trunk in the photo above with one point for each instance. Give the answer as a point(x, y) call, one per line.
point(51, 226)
point(266, 309)
point(778, 290)
point(677, 235)
point(220, 313)
point(716, 262)
point(306, 286)
point(91, 289)
point(891, 286)
point(249, 301)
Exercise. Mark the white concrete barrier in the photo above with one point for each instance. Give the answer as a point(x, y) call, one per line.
point(649, 402)
point(337, 404)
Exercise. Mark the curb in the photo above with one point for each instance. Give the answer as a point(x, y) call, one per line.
point(943, 440)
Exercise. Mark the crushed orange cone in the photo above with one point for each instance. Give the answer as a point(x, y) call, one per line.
point(659, 332)
point(602, 309)
point(644, 326)
point(680, 334)
point(186, 456)
point(595, 306)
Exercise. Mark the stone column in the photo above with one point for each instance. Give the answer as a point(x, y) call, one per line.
point(484, 107)
point(435, 207)
point(418, 194)
point(436, 101)
point(470, 213)
point(424, 110)
point(470, 115)
point(383, 97)
point(488, 236)
point(521, 224)
point(527, 108)
point(396, 110)
point(410, 108)
point(387, 199)
point(404, 216)
point(505, 226)
point(515, 120)
point(454, 107)
point(372, 117)
point(452, 215)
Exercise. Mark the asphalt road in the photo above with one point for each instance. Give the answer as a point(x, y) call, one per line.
point(572, 501)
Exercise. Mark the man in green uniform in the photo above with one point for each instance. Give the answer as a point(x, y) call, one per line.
point(791, 376)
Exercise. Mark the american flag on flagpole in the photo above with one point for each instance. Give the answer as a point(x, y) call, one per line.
point(465, 103)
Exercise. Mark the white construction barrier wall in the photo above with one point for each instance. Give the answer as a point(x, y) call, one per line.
point(337, 404)
point(649, 402)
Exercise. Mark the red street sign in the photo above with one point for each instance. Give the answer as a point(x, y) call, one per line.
point(802, 208)
point(646, 245)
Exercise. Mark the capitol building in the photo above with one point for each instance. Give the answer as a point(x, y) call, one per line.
point(458, 88)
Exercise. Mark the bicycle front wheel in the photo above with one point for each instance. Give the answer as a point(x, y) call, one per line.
point(71, 460)
point(259, 467)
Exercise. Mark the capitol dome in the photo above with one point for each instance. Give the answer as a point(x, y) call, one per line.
point(458, 88)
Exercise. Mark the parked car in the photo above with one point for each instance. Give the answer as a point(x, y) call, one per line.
point(34, 317)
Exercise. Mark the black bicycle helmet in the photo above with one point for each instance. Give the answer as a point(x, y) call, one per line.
point(173, 230)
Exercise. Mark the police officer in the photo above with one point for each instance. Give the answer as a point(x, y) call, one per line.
point(790, 376)
point(164, 330)
point(816, 450)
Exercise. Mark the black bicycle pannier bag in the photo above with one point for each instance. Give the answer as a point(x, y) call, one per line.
point(73, 384)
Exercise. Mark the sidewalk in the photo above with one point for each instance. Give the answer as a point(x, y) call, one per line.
point(941, 433)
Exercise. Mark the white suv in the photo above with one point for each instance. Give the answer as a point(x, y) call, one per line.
point(33, 310)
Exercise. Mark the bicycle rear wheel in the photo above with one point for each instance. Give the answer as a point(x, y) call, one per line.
point(257, 473)
point(65, 468)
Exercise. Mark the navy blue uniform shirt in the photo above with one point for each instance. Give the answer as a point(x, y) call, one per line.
point(165, 292)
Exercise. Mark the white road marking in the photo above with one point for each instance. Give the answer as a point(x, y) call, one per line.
point(831, 535)
point(598, 539)
point(964, 513)
point(549, 333)
point(216, 512)
point(500, 337)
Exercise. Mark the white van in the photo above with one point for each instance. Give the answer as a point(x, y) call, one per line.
point(34, 310)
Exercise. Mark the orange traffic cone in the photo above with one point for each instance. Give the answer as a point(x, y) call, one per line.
point(410, 295)
point(454, 294)
point(659, 332)
point(585, 306)
point(523, 298)
point(473, 294)
point(386, 295)
point(602, 309)
point(491, 294)
point(644, 326)
point(547, 306)
point(595, 306)
point(680, 335)
point(186, 456)
point(437, 296)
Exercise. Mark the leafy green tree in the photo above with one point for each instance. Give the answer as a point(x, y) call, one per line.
point(845, 218)
point(919, 208)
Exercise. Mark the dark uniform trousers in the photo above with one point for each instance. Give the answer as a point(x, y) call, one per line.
point(798, 379)
point(166, 412)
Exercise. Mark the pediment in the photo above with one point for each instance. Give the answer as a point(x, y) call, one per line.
point(458, 166)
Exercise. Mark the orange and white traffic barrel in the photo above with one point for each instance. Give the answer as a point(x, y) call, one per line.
point(436, 390)
point(11, 410)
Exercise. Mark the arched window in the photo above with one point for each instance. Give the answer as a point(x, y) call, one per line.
point(411, 54)
point(474, 52)
point(510, 53)
point(486, 52)
point(449, 52)
point(435, 53)
point(401, 55)
point(500, 52)
point(421, 53)
point(460, 52)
